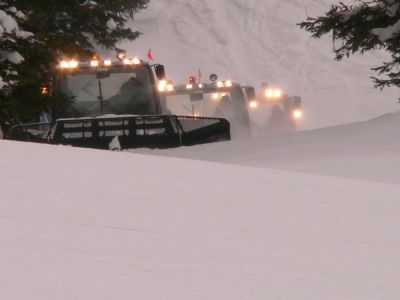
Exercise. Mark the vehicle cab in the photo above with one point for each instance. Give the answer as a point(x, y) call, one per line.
point(101, 87)
point(218, 98)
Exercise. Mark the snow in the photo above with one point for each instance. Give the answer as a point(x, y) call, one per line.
point(387, 33)
point(9, 30)
point(252, 41)
point(111, 25)
point(9, 25)
point(365, 150)
point(13, 57)
point(87, 224)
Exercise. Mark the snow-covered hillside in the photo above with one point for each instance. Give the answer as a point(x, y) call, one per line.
point(253, 41)
point(365, 150)
point(87, 224)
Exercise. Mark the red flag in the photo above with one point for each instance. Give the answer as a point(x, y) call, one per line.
point(150, 54)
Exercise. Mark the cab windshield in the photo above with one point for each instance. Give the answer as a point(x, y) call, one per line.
point(222, 104)
point(112, 92)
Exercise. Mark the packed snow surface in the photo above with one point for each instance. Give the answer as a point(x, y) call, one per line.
point(366, 150)
point(87, 224)
point(252, 41)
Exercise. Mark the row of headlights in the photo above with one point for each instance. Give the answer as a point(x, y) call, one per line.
point(191, 86)
point(297, 114)
point(227, 83)
point(219, 84)
point(273, 93)
point(165, 86)
point(73, 64)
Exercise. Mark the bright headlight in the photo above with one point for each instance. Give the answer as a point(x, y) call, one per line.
point(73, 64)
point(136, 61)
point(170, 87)
point(127, 61)
point(94, 63)
point(162, 85)
point(121, 55)
point(269, 93)
point(228, 83)
point(189, 86)
point(64, 64)
point(215, 96)
point(277, 93)
point(297, 114)
point(253, 104)
point(107, 62)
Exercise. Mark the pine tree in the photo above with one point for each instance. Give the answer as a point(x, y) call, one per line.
point(361, 27)
point(60, 28)
point(13, 41)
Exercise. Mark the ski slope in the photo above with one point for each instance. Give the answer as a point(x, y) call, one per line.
point(252, 41)
point(87, 224)
point(367, 150)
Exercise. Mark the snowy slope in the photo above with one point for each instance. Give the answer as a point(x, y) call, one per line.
point(86, 224)
point(253, 41)
point(365, 150)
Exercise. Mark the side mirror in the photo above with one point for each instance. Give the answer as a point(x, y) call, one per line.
point(250, 93)
point(160, 72)
point(297, 102)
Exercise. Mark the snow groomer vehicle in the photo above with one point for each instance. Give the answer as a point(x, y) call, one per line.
point(116, 105)
point(216, 99)
point(280, 112)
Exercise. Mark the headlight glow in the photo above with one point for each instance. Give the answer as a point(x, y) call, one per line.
point(215, 96)
point(73, 64)
point(162, 85)
point(64, 64)
point(220, 84)
point(94, 63)
point(107, 62)
point(121, 55)
point(136, 61)
point(277, 93)
point(273, 93)
point(297, 114)
point(269, 93)
point(170, 87)
point(228, 83)
point(253, 104)
point(127, 61)
point(189, 86)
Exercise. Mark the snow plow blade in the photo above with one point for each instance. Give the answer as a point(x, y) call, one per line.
point(126, 132)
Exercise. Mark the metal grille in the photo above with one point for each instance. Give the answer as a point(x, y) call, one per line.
point(140, 131)
point(194, 123)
